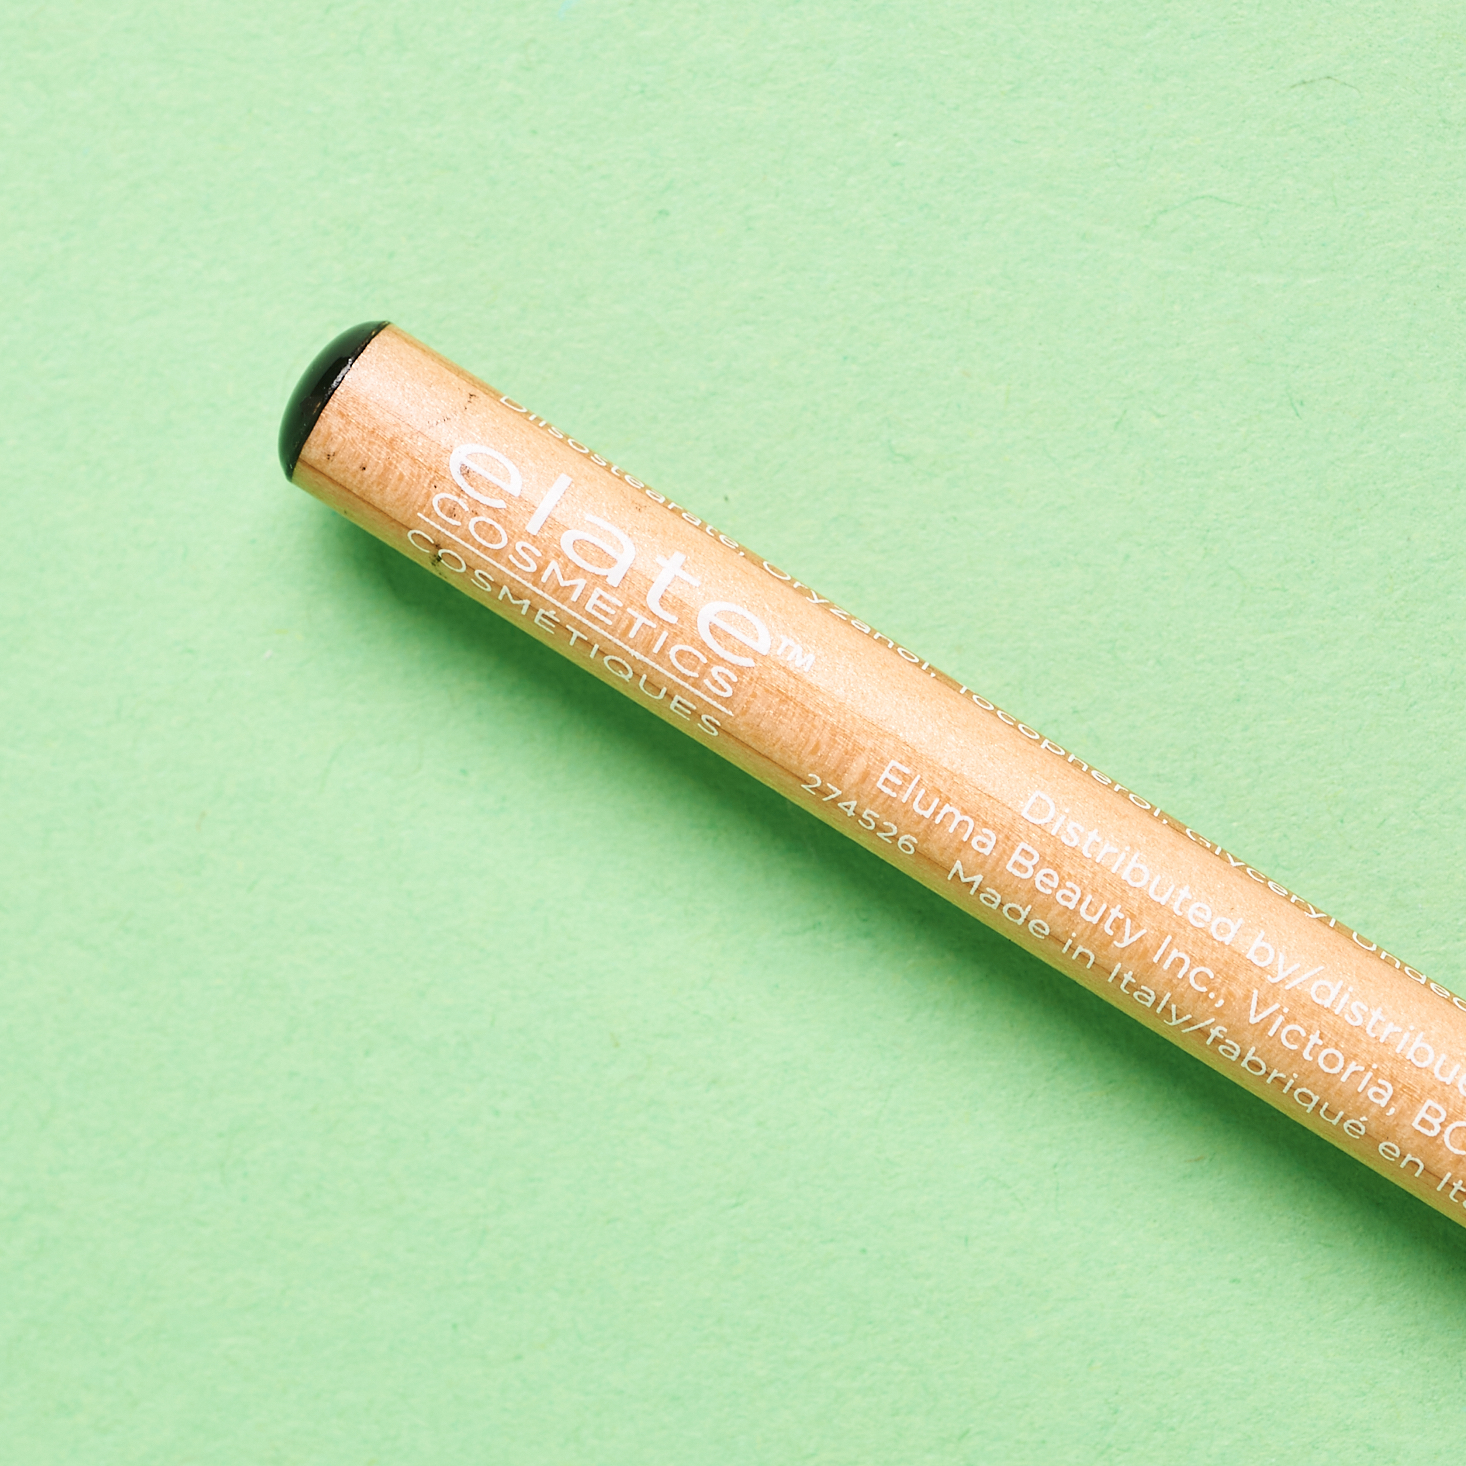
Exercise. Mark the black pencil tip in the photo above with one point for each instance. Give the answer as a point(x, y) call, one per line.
point(313, 391)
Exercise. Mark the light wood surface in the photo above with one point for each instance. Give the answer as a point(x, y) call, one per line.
point(1020, 832)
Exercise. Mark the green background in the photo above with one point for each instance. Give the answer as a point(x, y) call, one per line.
point(412, 1052)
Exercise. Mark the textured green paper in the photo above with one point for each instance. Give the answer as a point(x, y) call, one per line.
point(411, 1052)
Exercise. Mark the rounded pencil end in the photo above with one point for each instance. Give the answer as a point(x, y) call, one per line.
point(322, 377)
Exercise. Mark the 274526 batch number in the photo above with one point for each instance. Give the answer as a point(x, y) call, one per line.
point(881, 829)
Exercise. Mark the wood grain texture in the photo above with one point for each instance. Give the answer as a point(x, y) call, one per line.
point(1023, 834)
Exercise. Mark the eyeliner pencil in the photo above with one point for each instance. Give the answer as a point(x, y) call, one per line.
point(1014, 828)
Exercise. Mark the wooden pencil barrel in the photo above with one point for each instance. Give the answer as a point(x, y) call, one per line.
point(1014, 828)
